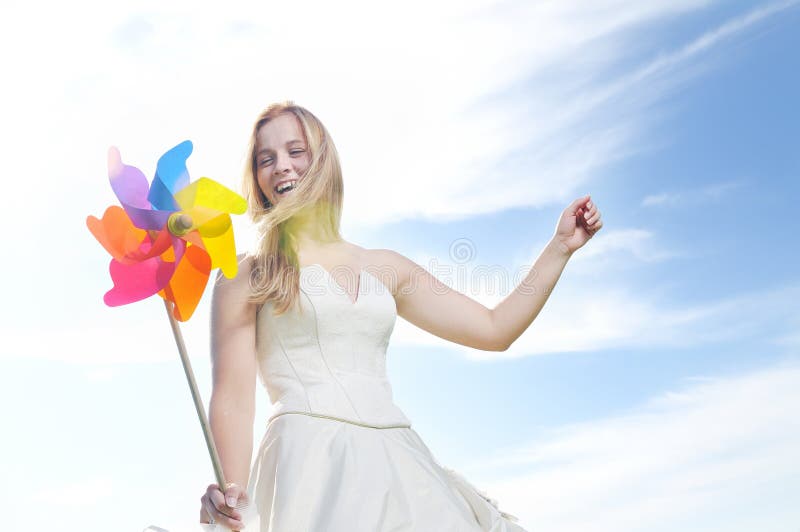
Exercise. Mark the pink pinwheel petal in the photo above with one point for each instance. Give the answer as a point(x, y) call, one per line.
point(140, 280)
point(137, 281)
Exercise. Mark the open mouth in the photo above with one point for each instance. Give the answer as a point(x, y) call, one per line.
point(286, 186)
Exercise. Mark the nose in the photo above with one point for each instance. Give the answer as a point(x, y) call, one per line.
point(283, 164)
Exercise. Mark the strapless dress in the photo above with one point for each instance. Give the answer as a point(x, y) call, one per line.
point(338, 454)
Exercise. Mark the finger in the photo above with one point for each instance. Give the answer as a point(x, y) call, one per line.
point(232, 495)
point(579, 219)
point(585, 218)
point(593, 218)
point(205, 518)
point(219, 504)
point(222, 518)
point(573, 207)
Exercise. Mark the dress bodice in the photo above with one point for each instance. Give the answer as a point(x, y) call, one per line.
point(328, 357)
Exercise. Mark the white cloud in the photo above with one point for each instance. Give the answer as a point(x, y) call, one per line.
point(457, 102)
point(660, 199)
point(614, 315)
point(133, 334)
point(718, 455)
point(711, 192)
point(148, 77)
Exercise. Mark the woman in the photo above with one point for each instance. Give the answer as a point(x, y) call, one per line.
point(313, 313)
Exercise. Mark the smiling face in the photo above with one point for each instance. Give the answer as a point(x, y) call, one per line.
point(281, 156)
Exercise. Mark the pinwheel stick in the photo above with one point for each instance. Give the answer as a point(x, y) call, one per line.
point(198, 403)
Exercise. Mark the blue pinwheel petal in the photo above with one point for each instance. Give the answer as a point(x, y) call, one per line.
point(171, 176)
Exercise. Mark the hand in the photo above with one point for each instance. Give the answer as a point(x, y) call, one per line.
point(578, 223)
point(220, 508)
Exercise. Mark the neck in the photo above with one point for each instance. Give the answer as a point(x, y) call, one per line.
point(308, 232)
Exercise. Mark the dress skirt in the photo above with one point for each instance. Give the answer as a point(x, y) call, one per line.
point(320, 474)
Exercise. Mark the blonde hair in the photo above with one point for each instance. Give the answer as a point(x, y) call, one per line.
point(317, 199)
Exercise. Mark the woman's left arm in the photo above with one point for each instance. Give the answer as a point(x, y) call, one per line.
point(433, 306)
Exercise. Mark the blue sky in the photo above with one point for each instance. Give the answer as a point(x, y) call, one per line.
point(658, 388)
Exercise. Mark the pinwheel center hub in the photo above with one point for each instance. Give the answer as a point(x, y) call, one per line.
point(179, 223)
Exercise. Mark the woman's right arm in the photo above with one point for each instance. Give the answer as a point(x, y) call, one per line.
point(232, 405)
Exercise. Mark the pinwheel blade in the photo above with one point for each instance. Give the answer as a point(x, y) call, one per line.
point(171, 176)
point(131, 188)
point(222, 250)
point(188, 282)
point(155, 248)
point(206, 219)
point(116, 233)
point(137, 281)
point(208, 193)
point(141, 279)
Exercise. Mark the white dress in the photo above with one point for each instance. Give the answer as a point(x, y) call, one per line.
point(338, 455)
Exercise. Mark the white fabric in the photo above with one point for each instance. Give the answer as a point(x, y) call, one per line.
point(338, 455)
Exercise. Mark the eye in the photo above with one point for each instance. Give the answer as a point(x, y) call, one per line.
point(296, 152)
point(265, 162)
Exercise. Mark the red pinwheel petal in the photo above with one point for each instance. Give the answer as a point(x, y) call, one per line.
point(150, 248)
point(188, 282)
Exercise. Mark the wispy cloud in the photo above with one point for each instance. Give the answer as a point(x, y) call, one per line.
point(711, 456)
point(711, 192)
point(582, 120)
point(503, 109)
point(616, 315)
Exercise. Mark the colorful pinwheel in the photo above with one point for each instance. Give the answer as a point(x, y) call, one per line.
point(165, 239)
point(168, 235)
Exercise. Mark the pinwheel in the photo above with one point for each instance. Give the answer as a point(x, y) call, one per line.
point(165, 239)
point(168, 236)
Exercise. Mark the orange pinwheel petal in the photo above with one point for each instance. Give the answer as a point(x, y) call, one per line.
point(116, 233)
point(187, 284)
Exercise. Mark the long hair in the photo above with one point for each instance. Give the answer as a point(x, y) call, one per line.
point(317, 199)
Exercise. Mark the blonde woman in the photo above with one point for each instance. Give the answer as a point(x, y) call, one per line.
point(312, 314)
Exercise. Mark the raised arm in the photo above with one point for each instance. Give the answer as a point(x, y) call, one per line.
point(232, 405)
point(431, 305)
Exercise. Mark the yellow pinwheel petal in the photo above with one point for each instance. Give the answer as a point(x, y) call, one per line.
point(222, 251)
point(209, 222)
point(208, 193)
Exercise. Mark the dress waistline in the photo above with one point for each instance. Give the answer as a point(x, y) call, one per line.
point(352, 422)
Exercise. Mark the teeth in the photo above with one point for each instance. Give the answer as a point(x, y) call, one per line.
point(283, 187)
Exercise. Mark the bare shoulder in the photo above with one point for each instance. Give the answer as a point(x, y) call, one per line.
point(237, 287)
point(391, 267)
